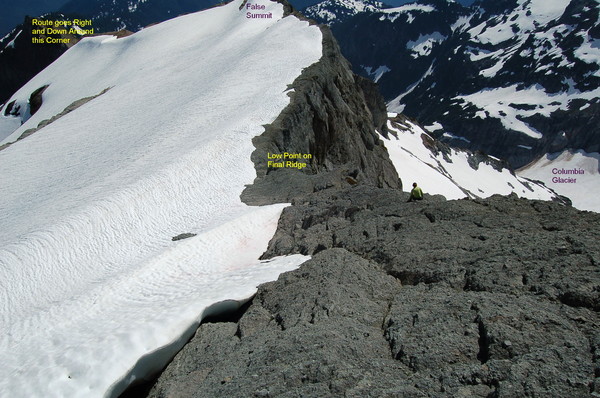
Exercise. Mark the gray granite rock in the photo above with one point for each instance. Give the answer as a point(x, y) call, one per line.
point(334, 116)
point(315, 332)
point(467, 298)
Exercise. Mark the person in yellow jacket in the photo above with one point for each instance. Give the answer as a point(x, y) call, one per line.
point(416, 193)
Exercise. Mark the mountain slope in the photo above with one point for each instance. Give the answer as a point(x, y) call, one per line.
point(20, 59)
point(528, 77)
point(451, 172)
point(90, 279)
point(400, 42)
point(515, 79)
point(14, 12)
point(335, 11)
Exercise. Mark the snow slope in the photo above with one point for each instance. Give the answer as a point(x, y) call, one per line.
point(392, 14)
point(451, 174)
point(527, 16)
point(332, 11)
point(93, 291)
point(557, 172)
point(511, 105)
point(8, 124)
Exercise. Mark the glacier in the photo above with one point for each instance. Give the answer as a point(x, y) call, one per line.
point(583, 189)
point(93, 292)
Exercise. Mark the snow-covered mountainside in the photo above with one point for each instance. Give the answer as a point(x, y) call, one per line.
point(367, 30)
point(574, 174)
point(454, 173)
point(516, 79)
point(21, 59)
point(153, 140)
point(335, 11)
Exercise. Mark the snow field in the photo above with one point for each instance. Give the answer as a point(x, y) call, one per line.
point(376, 73)
point(346, 8)
point(392, 14)
point(8, 124)
point(92, 289)
point(541, 13)
point(496, 103)
point(584, 191)
point(455, 179)
point(589, 52)
point(424, 44)
point(408, 8)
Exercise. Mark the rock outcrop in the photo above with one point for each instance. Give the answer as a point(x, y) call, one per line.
point(333, 115)
point(475, 298)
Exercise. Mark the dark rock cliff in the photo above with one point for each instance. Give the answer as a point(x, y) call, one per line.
point(333, 115)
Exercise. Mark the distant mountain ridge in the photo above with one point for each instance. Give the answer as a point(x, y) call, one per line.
point(14, 12)
point(515, 78)
point(109, 15)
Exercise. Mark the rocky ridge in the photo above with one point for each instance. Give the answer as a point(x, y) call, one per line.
point(485, 298)
point(494, 297)
point(334, 115)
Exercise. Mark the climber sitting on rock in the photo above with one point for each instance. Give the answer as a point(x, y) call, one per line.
point(416, 193)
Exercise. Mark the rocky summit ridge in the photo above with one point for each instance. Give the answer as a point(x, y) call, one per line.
point(495, 297)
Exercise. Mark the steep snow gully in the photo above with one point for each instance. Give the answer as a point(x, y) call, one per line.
point(90, 280)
